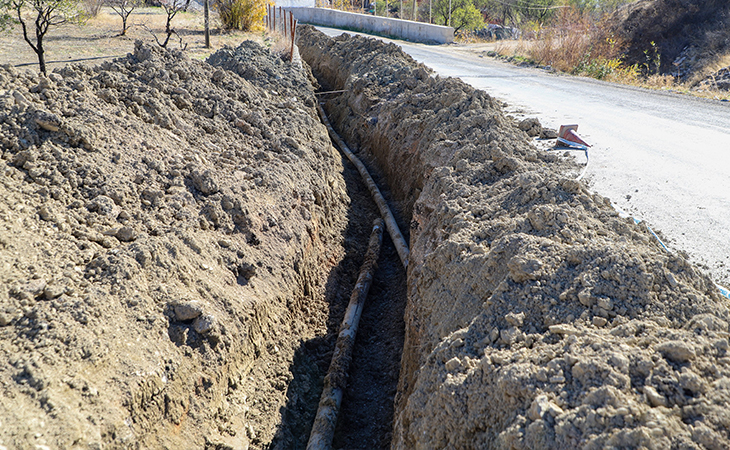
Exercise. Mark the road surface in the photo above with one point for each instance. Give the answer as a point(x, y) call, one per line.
point(661, 157)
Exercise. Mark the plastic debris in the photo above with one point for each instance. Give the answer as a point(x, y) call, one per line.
point(568, 136)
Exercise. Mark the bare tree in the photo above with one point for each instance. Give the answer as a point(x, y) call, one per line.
point(45, 14)
point(171, 7)
point(124, 8)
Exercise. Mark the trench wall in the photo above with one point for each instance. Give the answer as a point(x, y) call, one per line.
point(536, 316)
point(403, 29)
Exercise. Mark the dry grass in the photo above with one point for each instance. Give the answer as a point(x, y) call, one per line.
point(99, 39)
point(578, 45)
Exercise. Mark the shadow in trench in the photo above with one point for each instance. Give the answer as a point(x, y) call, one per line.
point(365, 419)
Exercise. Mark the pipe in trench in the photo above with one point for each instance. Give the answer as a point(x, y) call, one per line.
point(335, 382)
point(400, 243)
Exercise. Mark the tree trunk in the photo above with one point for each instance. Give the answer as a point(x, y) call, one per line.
point(40, 51)
point(42, 62)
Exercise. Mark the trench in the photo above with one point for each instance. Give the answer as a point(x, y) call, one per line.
point(366, 415)
point(524, 290)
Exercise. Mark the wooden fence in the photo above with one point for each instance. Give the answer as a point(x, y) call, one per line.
point(278, 20)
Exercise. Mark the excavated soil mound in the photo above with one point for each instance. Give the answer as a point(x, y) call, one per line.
point(166, 232)
point(536, 317)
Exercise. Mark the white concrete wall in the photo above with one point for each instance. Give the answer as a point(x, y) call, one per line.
point(403, 29)
point(294, 3)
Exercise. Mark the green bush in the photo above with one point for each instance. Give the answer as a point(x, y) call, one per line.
point(464, 15)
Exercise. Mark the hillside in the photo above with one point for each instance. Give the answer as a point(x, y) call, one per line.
point(692, 37)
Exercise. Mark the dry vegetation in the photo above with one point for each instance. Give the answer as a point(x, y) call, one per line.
point(642, 44)
point(98, 39)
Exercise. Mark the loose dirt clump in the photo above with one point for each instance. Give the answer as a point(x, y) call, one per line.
point(536, 316)
point(167, 229)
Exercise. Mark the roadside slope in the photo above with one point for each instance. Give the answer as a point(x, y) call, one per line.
point(536, 317)
point(693, 33)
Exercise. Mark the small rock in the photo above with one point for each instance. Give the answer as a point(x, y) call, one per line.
point(494, 334)
point(557, 379)
point(53, 291)
point(562, 329)
point(542, 406)
point(655, 399)
point(126, 234)
point(46, 213)
point(542, 375)
point(47, 121)
point(204, 324)
point(225, 243)
point(516, 320)
point(188, 311)
point(453, 364)
point(585, 297)
point(5, 318)
point(33, 288)
point(105, 206)
point(676, 351)
point(670, 278)
point(20, 100)
point(523, 269)
point(599, 321)
point(511, 335)
point(204, 182)
point(548, 133)
point(531, 126)
point(605, 303)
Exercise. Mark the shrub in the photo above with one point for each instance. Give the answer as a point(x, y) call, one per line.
point(464, 15)
point(245, 15)
point(578, 44)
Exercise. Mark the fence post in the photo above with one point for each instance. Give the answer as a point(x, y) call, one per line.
point(293, 34)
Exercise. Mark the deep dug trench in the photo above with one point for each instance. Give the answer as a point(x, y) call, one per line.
point(536, 316)
point(178, 241)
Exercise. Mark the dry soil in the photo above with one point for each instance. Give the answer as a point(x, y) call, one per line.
point(536, 316)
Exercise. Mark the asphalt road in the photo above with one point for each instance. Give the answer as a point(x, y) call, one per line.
point(661, 157)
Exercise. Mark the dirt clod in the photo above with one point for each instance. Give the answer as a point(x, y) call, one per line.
point(531, 126)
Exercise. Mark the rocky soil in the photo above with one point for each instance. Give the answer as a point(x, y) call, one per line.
point(536, 316)
point(178, 241)
point(169, 230)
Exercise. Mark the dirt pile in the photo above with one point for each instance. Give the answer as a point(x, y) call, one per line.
point(685, 37)
point(536, 317)
point(166, 232)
